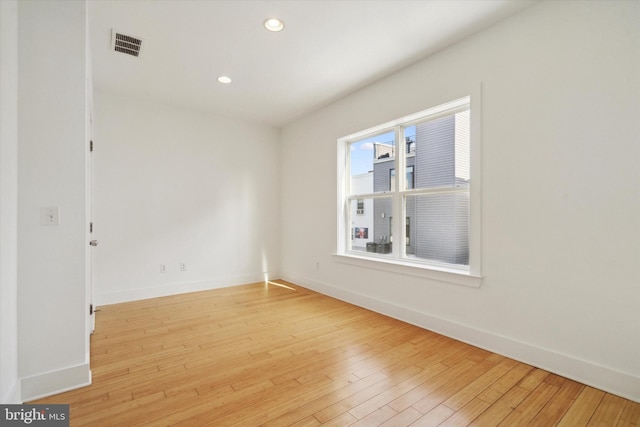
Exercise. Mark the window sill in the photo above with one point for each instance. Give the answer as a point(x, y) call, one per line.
point(412, 269)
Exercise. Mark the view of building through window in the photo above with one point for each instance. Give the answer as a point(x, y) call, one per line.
point(432, 198)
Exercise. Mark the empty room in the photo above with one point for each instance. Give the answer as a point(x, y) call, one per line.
point(202, 220)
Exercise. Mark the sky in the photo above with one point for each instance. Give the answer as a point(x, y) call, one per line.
point(362, 151)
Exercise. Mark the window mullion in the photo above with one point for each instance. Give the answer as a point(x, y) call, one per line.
point(344, 188)
point(398, 209)
point(348, 221)
point(380, 195)
point(435, 190)
point(401, 177)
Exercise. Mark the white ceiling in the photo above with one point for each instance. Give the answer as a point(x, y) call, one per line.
point(327, 50)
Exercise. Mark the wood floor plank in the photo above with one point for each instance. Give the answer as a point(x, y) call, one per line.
point(514, 396)
point(287, 356)
point(493, 415)
point(530, 406)
point(404, 418)
point(396, 391)
point(425, 389)
point(555, 409)
point(376, 417)
point(434, 417)
point(505, 383)
point(452, 387)
point(608, 412)
point(475, 387)
point(465, 415)
point(362, 396)
point(346, 419)
point(327, 400)
point(583, 408)
point(533, 379)
point(630, 415)
point(306, 422)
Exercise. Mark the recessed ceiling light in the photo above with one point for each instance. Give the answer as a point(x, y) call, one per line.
point(224, 79)
point(274, 24)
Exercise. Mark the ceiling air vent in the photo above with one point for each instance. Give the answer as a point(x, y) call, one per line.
point(125, 44)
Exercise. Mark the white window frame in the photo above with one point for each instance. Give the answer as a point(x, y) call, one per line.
point(398, 262)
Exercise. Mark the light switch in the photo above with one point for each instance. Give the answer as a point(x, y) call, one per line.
point(50, 215)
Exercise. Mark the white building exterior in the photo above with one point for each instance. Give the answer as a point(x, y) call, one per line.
point(362, 212)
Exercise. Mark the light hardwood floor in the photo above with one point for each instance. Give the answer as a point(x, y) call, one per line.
point(284, 355)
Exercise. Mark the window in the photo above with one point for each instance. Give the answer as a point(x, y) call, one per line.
point(407, 232)
point(433, 197)
point(392, 178)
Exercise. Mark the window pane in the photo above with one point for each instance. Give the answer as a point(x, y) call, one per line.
point(392, 179)
point(407, 231)
point(439, 151)
point(364, 156)
point(410, 155)
point(409, 183)
point(439, 228)
point(370, 230)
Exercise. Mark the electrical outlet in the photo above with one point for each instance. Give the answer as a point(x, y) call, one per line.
point(163, 268)
point(183, 266)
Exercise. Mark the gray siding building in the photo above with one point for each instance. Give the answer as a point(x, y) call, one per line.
point(437, 225)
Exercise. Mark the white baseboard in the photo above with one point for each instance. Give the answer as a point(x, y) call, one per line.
point(48, 383)
point(601, 377)
point(114, 297)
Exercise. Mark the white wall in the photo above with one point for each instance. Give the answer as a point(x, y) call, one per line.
point(9, 384)
point(561, 211)
point(176, 186)
point(52, 305)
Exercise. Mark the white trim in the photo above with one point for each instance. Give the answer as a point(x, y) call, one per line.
point(475, 191)
point(54, 382)
point(155, 291)
point(432, 113)
point(399, 262)
point(622, 384)
point(13, 397)
point(9, 383)
point(399, 266)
